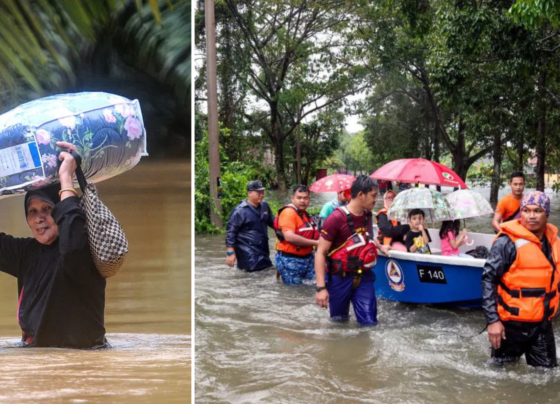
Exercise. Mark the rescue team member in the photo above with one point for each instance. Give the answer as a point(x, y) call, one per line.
point(520, 286)
point(246, 233)
point(508, 207)
point(342, 199)
point(297, 238)
point(390, 232)
point(349, 252)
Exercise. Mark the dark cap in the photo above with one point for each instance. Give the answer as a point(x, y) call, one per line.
point(255, 186)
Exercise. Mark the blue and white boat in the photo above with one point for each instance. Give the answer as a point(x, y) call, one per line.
point(433, 279)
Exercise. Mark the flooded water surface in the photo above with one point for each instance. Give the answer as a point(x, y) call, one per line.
point(260, 341)
point(148, 309)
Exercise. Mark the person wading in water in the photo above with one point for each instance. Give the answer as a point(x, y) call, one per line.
point(348, 251)
point(61, 294)
point(246, 233)
point(520, 286)
point(297, 237)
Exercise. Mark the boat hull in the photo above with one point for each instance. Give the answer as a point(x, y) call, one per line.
point(415, 278)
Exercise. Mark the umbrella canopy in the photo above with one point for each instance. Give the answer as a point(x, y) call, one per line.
point(435, 206)
point(333, 183)
point(465, 203)
point(419, 171)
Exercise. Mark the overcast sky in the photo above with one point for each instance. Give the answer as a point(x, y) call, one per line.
point(352, 124)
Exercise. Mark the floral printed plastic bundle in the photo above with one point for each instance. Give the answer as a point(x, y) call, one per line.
point(107, 129)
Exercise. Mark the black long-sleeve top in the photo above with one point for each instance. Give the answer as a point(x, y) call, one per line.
point(61, 294)
point(396, 233)
point(502, 255)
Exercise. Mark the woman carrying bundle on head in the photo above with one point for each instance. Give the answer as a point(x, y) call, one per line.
point(61, 295)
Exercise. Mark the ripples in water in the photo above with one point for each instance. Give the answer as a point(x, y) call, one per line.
point(139, 368)
point(258, 340)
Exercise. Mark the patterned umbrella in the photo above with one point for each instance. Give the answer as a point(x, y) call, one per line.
point(333, 183)
point(465, 203)
point(435, 206)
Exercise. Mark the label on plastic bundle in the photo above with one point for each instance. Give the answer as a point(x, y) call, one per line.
point(20, 158)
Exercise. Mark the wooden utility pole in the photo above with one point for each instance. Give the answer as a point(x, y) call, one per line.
point(213, 137)
point(298, 148)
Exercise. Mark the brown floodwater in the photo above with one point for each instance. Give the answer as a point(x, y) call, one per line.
point(260, 341)
point(148, 303)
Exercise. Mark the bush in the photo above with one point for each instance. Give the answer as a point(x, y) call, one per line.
point(234, 177)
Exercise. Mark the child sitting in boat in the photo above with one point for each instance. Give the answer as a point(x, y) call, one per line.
point(418, 237)
point(451, 240)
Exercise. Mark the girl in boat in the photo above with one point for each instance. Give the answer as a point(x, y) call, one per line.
point(451, 240)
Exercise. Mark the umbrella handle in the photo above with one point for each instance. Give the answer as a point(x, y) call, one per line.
point(471, 243)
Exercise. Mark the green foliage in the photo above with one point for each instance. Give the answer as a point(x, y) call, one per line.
point(356, 155)
point(285, 55)
point(319, 140)
point(43, 40)
point(234, 178)
point(535, 13)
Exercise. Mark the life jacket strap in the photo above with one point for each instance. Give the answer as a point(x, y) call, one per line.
point(527, 292)
point(512, 310)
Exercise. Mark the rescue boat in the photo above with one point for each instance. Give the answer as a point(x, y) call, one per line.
point(433, 278)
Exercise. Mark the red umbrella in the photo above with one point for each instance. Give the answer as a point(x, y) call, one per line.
point(333, 183)
point(419, 171)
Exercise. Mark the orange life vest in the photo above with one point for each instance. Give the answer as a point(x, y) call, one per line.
point(357, 254)
point(528, 291)
point(308, 230)
point(384, 240)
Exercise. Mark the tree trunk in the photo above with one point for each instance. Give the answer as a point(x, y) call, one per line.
point(520, 162)
point(298, 149)
point(541, 134)
point(436, 151)
point(497, 155)
point(305, 178)
point(279, 163)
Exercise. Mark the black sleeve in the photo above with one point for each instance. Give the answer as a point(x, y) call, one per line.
point(12, 250)
point(409, 240)
point(73, 243)
point(502, 255)
point(387, 228)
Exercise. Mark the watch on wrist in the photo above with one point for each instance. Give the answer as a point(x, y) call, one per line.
point(230, 253)
point(320, 288)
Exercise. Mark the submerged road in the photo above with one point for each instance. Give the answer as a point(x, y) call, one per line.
point(259, 341)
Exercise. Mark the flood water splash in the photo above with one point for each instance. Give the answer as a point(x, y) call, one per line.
point(260, 341)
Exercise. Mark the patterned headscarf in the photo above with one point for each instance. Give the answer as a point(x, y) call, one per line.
point(48, 194)
point(536, 198)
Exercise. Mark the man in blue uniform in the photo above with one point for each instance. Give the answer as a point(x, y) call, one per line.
point(246, 232)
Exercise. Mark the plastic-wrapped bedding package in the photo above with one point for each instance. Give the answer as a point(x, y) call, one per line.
point(107, 129)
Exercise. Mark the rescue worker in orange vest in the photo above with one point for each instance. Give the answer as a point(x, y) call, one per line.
point(520, 286)
point(509, 206)
point(297, 238)
point(348, 251)
point(390, 232)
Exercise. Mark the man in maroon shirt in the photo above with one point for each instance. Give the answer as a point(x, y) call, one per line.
point(340, 287)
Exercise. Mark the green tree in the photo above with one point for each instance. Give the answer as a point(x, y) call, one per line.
point(319, 141)
point(355, 154)
point(294, 69)
point(44, 42)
